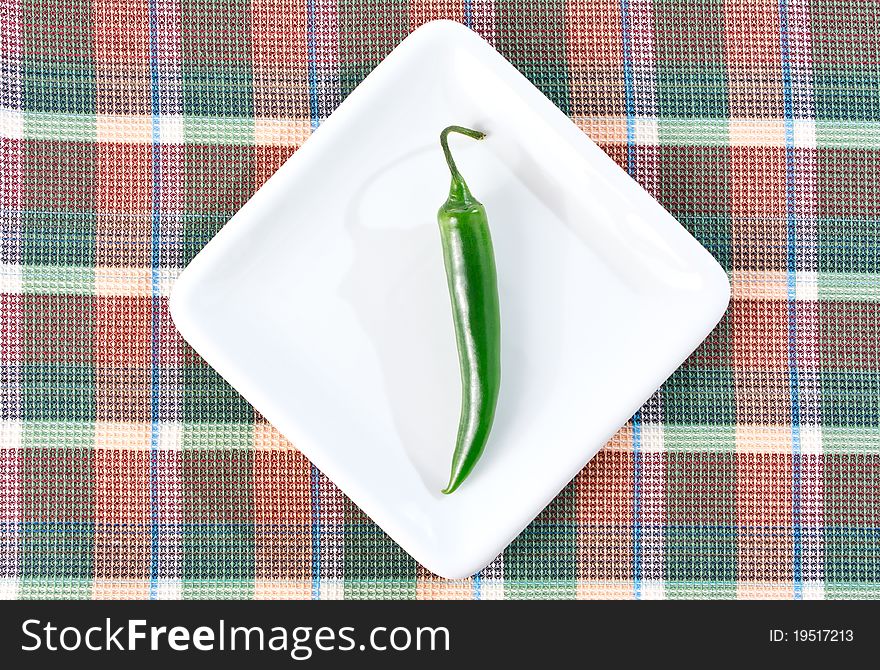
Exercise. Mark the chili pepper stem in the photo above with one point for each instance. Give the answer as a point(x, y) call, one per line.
point(458, 190)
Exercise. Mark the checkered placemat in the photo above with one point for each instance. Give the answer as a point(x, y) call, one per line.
point(132, 130)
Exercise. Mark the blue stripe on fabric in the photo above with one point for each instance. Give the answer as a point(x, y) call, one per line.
point(636, 420)
point(155, 242)
point(469, 13)
point(637, 503)
point(313, 64)
point(315, 474)
point(630, 92)
point(791, 252)
point(316, 532)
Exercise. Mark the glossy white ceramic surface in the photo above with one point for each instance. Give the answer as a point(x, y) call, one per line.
point(324, 300)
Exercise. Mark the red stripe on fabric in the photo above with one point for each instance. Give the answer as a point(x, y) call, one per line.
point(422, 11)
point(760, 334)
point(122, 31)
point(763, 515)
point(282, 510)
point(278, 32)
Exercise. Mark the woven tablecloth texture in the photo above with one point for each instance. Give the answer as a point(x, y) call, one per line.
point(132, 130)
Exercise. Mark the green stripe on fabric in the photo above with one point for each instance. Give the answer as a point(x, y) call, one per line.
point(543, 558)
point(701, 173)
point(79, 280)
point(57, 279)
point(538, 588)
point(851, 521)
point(367, 33)
point(851, 553)
point(844, 180)
point(848, 246)
point(58, 391)
point(857, 287)
point(851, 591)
point(56, 527)
point(699, 396)
point(59, 57)
point(704, 132)
point(207, 398)
point(219, 587)
point(52, 86)
point(848, 134)
point(217, 69)
point(842, 286)
point(54, 587)
point(690, 439)
point(196, 232)
point(197, 129)
point(239, 130)
point(848, 92)
point(59, 238)
point(691, 73)
point(75, 435)
point(66, 127)
point(700, 497)
point(713, 231)
point(217, 435)
point(536, 48)
point(847, 439)
point(218, 521)
point(685, 590)
point(218, 180)
point(850, 398)
point(219, 130)
point(844, 41)
point(375, 565)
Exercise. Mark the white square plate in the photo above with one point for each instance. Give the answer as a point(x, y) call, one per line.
point(324, 300)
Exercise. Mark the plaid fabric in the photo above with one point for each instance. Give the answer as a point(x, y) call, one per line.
point(133, 129)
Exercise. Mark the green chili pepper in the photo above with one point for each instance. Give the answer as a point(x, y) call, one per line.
point(473, 288)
